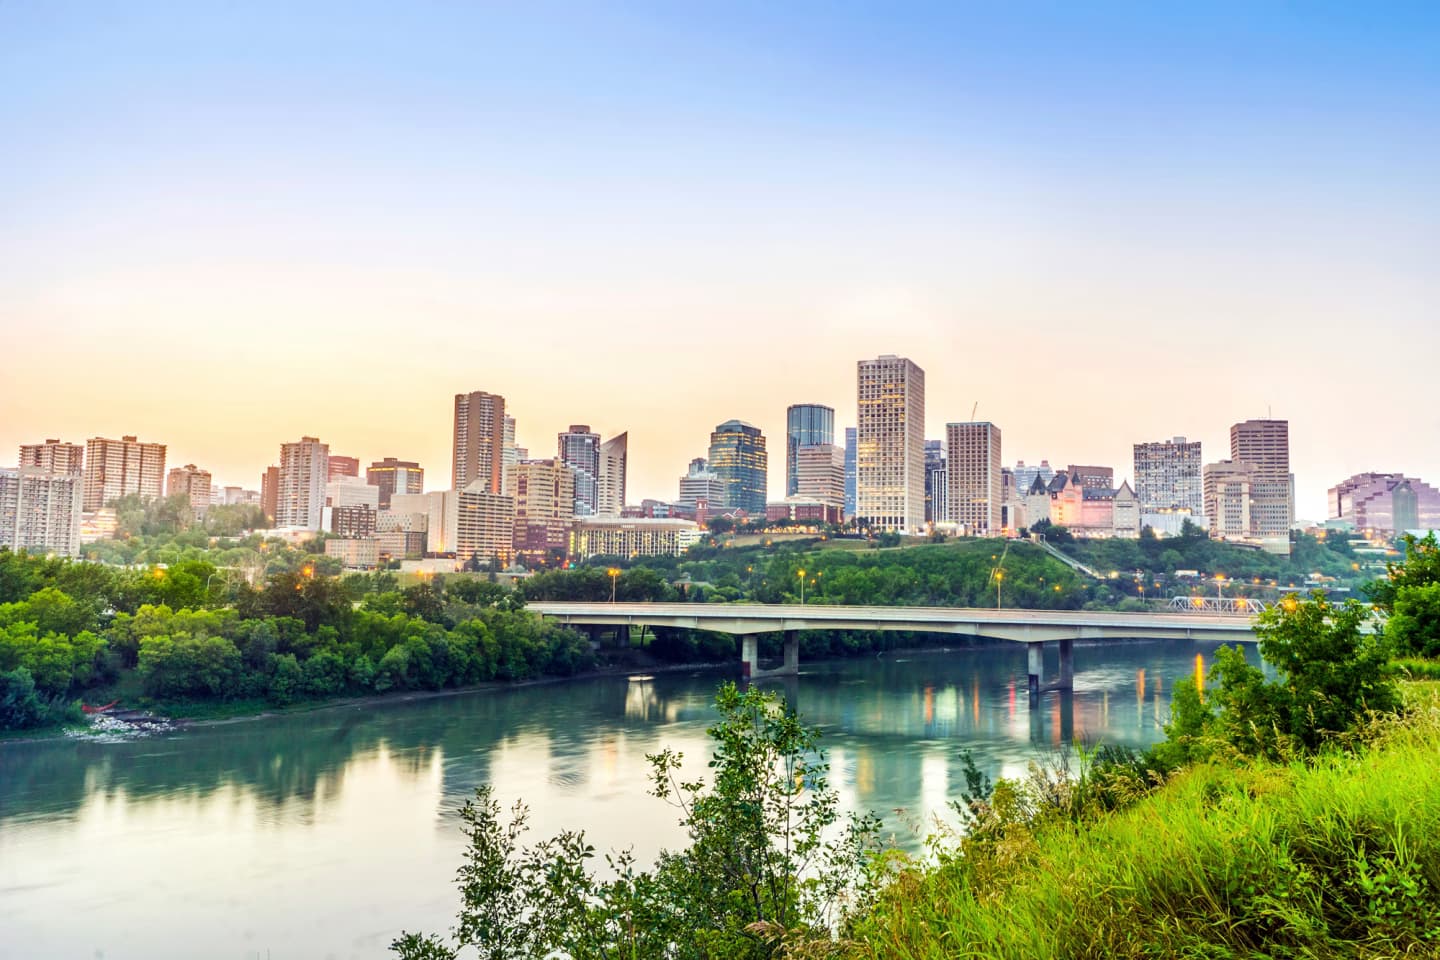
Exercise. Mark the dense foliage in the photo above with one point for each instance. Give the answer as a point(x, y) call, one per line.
point(183, 635)
point(769, 864)
point(1410, 594)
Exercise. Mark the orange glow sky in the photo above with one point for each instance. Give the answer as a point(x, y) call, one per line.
point(223, 249)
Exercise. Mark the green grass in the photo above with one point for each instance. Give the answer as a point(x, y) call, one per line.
point(1337, 857)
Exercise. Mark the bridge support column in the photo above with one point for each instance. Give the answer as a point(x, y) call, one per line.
point(749, 656)
point(792, 654)
point(1067, 664)
point(1036, 655)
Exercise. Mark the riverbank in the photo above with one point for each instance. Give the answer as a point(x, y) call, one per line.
point(1335, 855)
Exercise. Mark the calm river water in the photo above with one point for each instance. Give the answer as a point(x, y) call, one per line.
point(325, 834)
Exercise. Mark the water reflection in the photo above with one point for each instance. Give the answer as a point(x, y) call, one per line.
point(323, 834)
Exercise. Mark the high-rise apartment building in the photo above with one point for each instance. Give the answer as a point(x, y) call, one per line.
point(975, 493)
point(52, 456)
point(119, 468)
point(701, 485)
point(1229, 498)
point(890, 444)
point(936, 481)
point(579, 449)
point(484, 526)
point(40, 511)
point(1265, 445)
point(479, 448)
point(614, 463)
point(543, 495)
point(191, 482)
point(806, 425)
point(270, 492)
point(849, 473)
point(343, 467)
point(511, 454)
point(300, 489)
point(738, 457)
point(1169, 476)
point(394, 476)
point(820, 475)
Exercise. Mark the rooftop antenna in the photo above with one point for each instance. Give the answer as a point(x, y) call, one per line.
point(973, 409)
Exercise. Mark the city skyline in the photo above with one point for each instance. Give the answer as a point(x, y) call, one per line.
point(268, 212)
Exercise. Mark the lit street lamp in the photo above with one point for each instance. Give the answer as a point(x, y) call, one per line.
point(801, 575)
point(614, 575)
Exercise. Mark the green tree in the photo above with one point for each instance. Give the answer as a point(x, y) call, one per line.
point(768, 862)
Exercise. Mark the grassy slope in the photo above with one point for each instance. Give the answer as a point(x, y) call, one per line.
point(1338, 858)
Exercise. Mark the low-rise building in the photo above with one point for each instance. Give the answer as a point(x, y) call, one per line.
point(354, 553)
point(621, 537)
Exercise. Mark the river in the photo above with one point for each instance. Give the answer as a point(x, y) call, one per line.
point(324, 834)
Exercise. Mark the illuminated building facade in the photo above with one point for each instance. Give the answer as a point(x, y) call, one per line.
point(119, 468)
point(479, 442)
point(806, 425)
point(738, 458)
point(974, 483)
point(391, 476)
point(890, 444)
point(621, 537)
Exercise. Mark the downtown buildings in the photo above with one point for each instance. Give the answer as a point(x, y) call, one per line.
point(806, 425)
point(890, 444)
point(974, 493)
point(1387, 504)
point(300, 483)
point(120, 468)
point(739, 459)
point(1251, 496)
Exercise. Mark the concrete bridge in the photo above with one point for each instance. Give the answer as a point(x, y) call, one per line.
point(1035, 628)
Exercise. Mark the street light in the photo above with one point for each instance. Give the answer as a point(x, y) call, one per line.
point(614, 575)
point(999, 577)
point(801, 575)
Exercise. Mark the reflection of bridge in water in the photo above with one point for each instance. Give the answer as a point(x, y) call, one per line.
point(1035, 628)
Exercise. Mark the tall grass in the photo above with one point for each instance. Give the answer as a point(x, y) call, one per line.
point(1337, 856)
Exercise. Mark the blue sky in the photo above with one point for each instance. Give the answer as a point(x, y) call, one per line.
point(1105, 222)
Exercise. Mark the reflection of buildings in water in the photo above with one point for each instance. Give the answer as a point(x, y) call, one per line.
point(644, 703)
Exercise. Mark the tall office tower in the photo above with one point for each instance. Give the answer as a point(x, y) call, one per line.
point(972, 459)
point(479, 441)
point(510, 453)
point(1025, 475)
point(343, 467)
point(300, 491)
point(935, 481)
point(701, 485)
point(40, 511)
point(890, 444)
point(738, 458)
point(270, 492)
point(193, 483)
point(614, 462)
point(1229, 497)
point(806, 425)
point(52, 456)
point(1265, 444)
point(849, 472)
point(1168, 476)
point(1092, 478)
point(579, 449)
point(394, 476)
point(118, 468)
point(543, 494)
point(820, 474)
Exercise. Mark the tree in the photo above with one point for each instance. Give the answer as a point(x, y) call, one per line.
point(767, 864)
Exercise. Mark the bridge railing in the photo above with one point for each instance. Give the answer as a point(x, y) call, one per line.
point(1236, 606)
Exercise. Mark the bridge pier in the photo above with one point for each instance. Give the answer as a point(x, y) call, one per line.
point(792, 653)
point(1036, 654)
point(749, 656)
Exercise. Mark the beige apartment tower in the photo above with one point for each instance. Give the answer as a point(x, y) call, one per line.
point(610, 489)
point(193, 483)
point(479, 441)
point(543, 498)
point(1265, 445)
point(119, 468)
point(890, 444)
point(974, 482)
point(300, 492)
point(52, 456)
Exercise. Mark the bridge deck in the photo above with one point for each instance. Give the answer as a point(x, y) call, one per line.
point(1025, 626)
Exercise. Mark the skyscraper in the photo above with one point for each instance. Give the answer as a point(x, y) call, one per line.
point(300, 492)
point(1229, 497)
point(118, 468)
point(1265, 445)
point(579, 449)
point(890, 444)
point(701, 485)
point(806, 425)
point(510, 453)
point(820, 475)
point(52, 456)
point(738, 458)
point(614, 462)
point(479, 441)
point(936, 481)
point(849, 472)
point(543, 495)
point(394, 476)
point(1169, 476)
point(975, 486)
